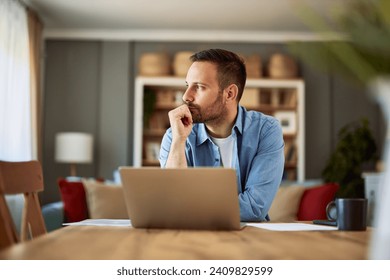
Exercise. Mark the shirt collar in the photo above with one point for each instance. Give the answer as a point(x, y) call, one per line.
point(239, 120)
point(202, 135)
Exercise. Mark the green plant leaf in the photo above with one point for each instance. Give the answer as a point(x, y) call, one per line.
point(361, 52)
point(384, 8)
point(356, 147)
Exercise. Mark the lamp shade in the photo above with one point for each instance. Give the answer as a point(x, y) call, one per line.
point(74, 147)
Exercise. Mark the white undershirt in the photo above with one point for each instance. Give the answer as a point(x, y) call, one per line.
point(225, 146)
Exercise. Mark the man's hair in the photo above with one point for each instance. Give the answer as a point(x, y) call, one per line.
point(230, 67)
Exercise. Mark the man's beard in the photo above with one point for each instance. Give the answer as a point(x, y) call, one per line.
point(213, 113)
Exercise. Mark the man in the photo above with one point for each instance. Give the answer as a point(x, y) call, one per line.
point(211, 129)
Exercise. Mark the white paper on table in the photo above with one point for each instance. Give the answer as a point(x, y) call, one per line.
point(290, 226)
point(102, 222)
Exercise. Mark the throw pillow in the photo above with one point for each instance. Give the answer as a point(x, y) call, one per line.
point(285, 206)
point(314, 201)
point(105, 201)
point(73, 197)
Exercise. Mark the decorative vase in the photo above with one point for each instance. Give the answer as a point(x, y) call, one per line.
point(380, 242)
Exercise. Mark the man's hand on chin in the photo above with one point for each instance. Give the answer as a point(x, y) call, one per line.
point(180, 119)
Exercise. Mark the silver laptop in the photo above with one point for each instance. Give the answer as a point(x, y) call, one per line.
point(185, 198)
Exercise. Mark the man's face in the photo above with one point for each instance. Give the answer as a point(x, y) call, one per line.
point(203, 96)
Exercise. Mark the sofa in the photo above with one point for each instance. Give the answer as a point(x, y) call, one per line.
point(90, 198)
point(300, 202)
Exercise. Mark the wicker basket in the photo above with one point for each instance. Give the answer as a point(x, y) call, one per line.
point(181, 63)
point(282, 66)
point(154, 64)
point(253, 66)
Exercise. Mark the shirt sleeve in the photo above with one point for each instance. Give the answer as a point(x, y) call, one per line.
point(264, 175)
point(165, 148)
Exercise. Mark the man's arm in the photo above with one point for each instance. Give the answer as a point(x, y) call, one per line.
point(176, 156)
point(181, 124)
point(264, 176)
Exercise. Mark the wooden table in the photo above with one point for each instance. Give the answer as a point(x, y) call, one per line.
point(92, 242)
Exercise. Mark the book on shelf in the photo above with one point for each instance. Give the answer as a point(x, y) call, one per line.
point(290, 152)
point(275, 97)
point(290, 98)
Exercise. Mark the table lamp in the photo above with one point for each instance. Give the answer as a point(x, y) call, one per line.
point(73, 148)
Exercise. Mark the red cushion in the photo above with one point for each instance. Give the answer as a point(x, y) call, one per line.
point(314, 201)
point(75, 203)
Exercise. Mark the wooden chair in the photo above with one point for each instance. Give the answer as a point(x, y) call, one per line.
point(16, 178)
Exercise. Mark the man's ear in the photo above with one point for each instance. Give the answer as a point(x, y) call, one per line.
point(231, 92)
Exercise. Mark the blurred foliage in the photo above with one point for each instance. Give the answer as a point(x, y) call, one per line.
point(363, 50)
point(356, 148)
point(355, 41)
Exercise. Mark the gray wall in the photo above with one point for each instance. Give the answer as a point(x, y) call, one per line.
point(114, 118)
point(86, 89)
point(89, 87)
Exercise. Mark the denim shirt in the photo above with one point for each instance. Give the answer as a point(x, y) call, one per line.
point(258, 157)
